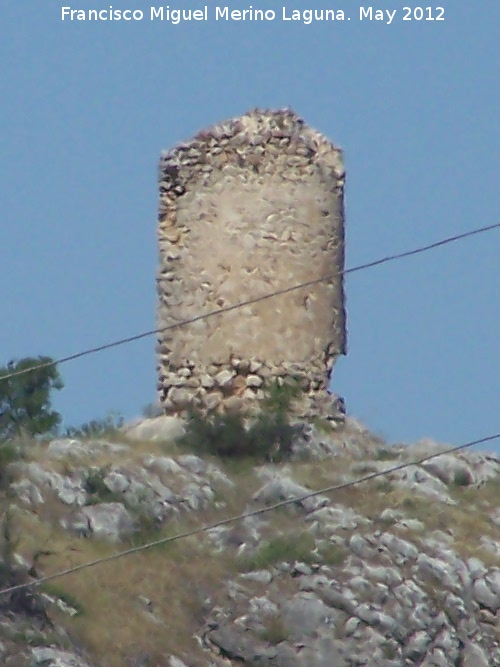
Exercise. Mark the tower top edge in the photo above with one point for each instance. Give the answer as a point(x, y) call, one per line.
point(253, 128)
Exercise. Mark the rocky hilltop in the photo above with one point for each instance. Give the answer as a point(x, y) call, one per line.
point(403, 569)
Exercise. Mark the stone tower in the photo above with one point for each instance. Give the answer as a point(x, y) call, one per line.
point(248, 207)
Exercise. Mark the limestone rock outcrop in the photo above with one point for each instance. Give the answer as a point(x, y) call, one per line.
point(400, 570)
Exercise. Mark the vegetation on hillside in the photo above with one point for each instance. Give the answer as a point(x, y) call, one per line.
point(25, 410)
point(25, 405)
point(267, 436)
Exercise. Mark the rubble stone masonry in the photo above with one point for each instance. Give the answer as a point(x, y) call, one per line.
point(248, 207)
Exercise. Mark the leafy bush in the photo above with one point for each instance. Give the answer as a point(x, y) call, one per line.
point(268, 437)
point(283, 548)
point(96, 428)
point(279, 397)
point(9, 452)
point(8, 544)
point(25, 399)
point(462, 478)
point(96, 487)
point(333, 555)
point(385, 454)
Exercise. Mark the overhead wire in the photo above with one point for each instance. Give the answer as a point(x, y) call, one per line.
point(283, 503)
point(245, 515)
point(248, 302)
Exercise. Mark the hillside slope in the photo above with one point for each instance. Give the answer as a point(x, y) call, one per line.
point(400, 570)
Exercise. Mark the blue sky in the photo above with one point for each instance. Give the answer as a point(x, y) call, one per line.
point(88, 106)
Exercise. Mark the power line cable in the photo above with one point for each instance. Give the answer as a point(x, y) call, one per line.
point(325, 490)
point(227, 309)
point(246, 515)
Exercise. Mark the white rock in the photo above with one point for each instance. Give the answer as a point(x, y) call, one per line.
point(260, 576)
point(27, 492)
point(224, 378)
point(283, 488)
point(263, 605)
point(448, 468)
point(162, 428)
point(351, 625)
point(255, 366)
point(411, 524)
point(474, 656)
point(213, 399)
point(390, 514)
point(53, 657)
point(66, 447)
point(417, 645)
point(360, 546)
point(337, 516)
point(193, 463)
point(476, 567)
point(163, 464)
point(116, 482)
point(181, 398)
point(207, 381)
point(419, 480)
point(176, 662)
point(435, 570)
point(493, 579)
point(483, 593)
point(110, 521)
point(254, 381)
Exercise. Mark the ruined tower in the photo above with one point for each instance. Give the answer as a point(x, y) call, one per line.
point(248, 207)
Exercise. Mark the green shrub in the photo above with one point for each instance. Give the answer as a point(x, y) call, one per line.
point(96, 428)
point(383, 486)
point(333, 555)
point(322, 425)
point(8, 544)
point(283, 548)
point(279, 396)
point(268, 436)
point(9, 452)
point(25, 406)
point(461, 478)
point(385, 454)
point(95, 486)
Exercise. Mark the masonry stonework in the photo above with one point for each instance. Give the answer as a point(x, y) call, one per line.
point(250, 206)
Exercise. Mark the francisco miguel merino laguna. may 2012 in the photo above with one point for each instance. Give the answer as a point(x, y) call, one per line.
point(305, 16)
point(219, 13)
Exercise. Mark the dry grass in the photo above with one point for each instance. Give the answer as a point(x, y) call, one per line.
point(274, 630)
point(135, 453)
point(116, 623)
point(467, 521)
point(316, 475)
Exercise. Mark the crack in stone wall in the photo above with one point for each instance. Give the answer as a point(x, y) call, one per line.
point(250, 206)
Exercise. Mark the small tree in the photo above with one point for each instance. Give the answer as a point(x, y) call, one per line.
point(25, 405)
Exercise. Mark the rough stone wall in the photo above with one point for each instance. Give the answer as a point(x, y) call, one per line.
point(248, 207)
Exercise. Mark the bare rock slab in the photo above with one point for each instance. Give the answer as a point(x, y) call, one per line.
point(160, 429)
